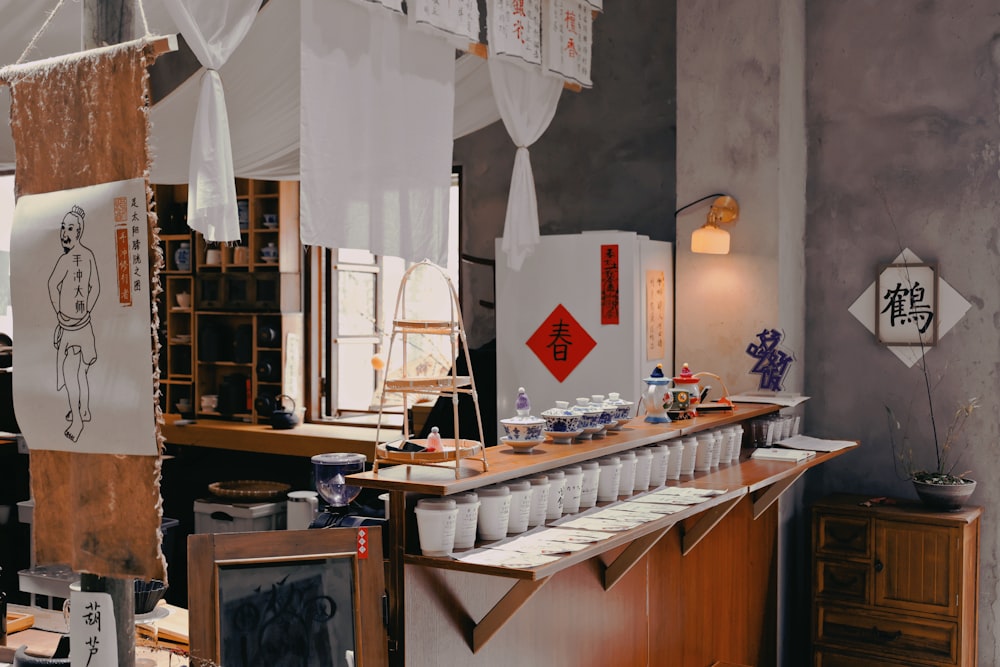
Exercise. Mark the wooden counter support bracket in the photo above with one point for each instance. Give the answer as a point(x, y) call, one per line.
point(503, 610)
point(632, 554)
point(706, 523)
point(772, 493)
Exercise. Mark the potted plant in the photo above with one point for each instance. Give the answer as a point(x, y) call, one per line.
point(940, 486)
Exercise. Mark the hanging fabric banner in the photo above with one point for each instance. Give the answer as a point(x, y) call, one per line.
point(376, 138)
point(80, 121)
point(515, 30)
point(455, 19)
point(568, 40)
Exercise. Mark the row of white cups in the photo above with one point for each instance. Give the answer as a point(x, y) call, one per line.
point(494, 512)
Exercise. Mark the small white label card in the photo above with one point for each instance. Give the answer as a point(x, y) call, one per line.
point(500, 558)
point(92, 631)
point(622, 513)
point(590, 522)
point(540, 543)
point(564, 534)
point(659, 509)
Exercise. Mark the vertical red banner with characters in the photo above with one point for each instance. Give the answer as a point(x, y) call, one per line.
point(609, 284)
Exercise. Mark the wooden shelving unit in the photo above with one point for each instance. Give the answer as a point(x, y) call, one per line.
point(245, 314)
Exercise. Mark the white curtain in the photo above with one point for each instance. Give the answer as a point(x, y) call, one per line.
point(376, 132)
point(475, 107)
point(213, 30)
point(527, 101)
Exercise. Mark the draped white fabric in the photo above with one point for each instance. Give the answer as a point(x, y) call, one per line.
point(213, 30)
point(376, 132)
point(475, 107)
point(527, 101)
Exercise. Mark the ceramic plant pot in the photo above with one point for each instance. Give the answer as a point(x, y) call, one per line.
point(948, 497)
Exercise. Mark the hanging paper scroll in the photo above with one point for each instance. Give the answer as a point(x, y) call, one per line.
point(515, 30)
point(595, 4)
point(458, 19)
point(79, 259)
point(80, 121)
point(568, 40)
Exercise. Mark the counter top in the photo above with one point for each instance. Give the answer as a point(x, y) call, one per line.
point(304, 440)
point(506, 464)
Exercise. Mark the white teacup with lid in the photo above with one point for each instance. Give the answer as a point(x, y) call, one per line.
point(574, 489)
point(540, 486)
point(494, 512)
point(643, 468)
point(557, 493)
point(626, 483)
point(520, 506)
point(610, 481)
point(436, 522)
point(590, 480)
point(468, 518)
point(659, 465)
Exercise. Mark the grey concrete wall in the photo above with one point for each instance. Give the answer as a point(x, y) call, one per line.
point(605, 162)
point(904, 149)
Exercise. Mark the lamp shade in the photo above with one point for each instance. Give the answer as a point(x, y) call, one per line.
point(710, 239)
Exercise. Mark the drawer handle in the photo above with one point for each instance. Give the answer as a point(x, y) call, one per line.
point(883, 636)
point(879, 566)
point(845, 535)
point(842, 582)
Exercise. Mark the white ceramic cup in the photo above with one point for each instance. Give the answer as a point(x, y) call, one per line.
point(626, 483)
point(689, 455)
point(384, 497)
point(494, 512)
point(183, 299)
point(643, 465)
point(437, 519)
point(520, 506)
point(209, 402)
point(213, 256)
point(588, 484)
point(610, 481)
point(703, 456)
point(557, 493)
point(468, 517)
point(301, 507)
point(573, 489)
point(540, 487)
point(676, 461)
point(659, 464)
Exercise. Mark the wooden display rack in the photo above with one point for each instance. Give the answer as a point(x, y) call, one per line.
point(404, 326)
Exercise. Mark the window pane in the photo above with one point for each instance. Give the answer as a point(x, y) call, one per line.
point(351, 256)
point(356, 303)
point(355, 376)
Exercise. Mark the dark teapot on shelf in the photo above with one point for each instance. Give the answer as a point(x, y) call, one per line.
point(282, 419)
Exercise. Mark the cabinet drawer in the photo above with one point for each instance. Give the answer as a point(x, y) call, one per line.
point(838, 535)
point(827, 658)
point(843, 580)
point(923, 640)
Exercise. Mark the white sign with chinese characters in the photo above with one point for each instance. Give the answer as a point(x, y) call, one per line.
point(907, 305)
point(81, 290)
point(951, 307)
point(568, 40)
point(515, 30)
point(92, 633)
point(457, 19)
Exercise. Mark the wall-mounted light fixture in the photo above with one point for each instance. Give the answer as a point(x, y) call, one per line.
point(711, 238)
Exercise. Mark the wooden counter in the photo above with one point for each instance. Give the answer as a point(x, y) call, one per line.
point(686, 589)
point(305, 440)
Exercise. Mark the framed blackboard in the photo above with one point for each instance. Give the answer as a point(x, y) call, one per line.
point(311, 598)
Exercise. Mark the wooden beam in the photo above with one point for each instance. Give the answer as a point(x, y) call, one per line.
point(504, 610)
point(772, 493)
point(706, 523)
point(632, 554)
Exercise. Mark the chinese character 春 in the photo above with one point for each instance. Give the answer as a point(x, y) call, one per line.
point(560, 341)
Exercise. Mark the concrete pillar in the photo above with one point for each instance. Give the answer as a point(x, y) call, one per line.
point(741, 130)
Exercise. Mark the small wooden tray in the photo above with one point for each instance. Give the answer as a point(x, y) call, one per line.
point(17, 622)
point(467, 448)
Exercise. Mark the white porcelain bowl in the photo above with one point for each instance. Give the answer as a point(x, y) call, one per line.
point(523, 428)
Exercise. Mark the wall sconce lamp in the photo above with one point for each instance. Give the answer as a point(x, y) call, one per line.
point(711, 238)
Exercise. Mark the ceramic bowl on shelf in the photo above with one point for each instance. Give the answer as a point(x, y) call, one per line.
point(564, 437)
point(523, 428)
point(521, 446)
point(562, 419)
point(622, 410)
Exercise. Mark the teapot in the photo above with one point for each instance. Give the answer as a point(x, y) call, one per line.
point(282, 419)
point(658, 396)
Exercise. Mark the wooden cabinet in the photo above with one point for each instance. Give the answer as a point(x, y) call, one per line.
point(240, 335)
point(894, 584)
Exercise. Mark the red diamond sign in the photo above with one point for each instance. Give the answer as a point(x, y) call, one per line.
point(362, 543)
point(561, 343)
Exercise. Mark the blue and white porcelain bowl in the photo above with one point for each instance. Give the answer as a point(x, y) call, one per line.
point(562, 420)
point(623, 410)
point(523, 428)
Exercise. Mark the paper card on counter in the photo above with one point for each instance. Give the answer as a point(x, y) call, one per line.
point(589, 522)
point(657, 508)
point(501, 558)
point(810, 443)
point(578, 536)
point(540, 544)
point(623, 513)
point(92, 630)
